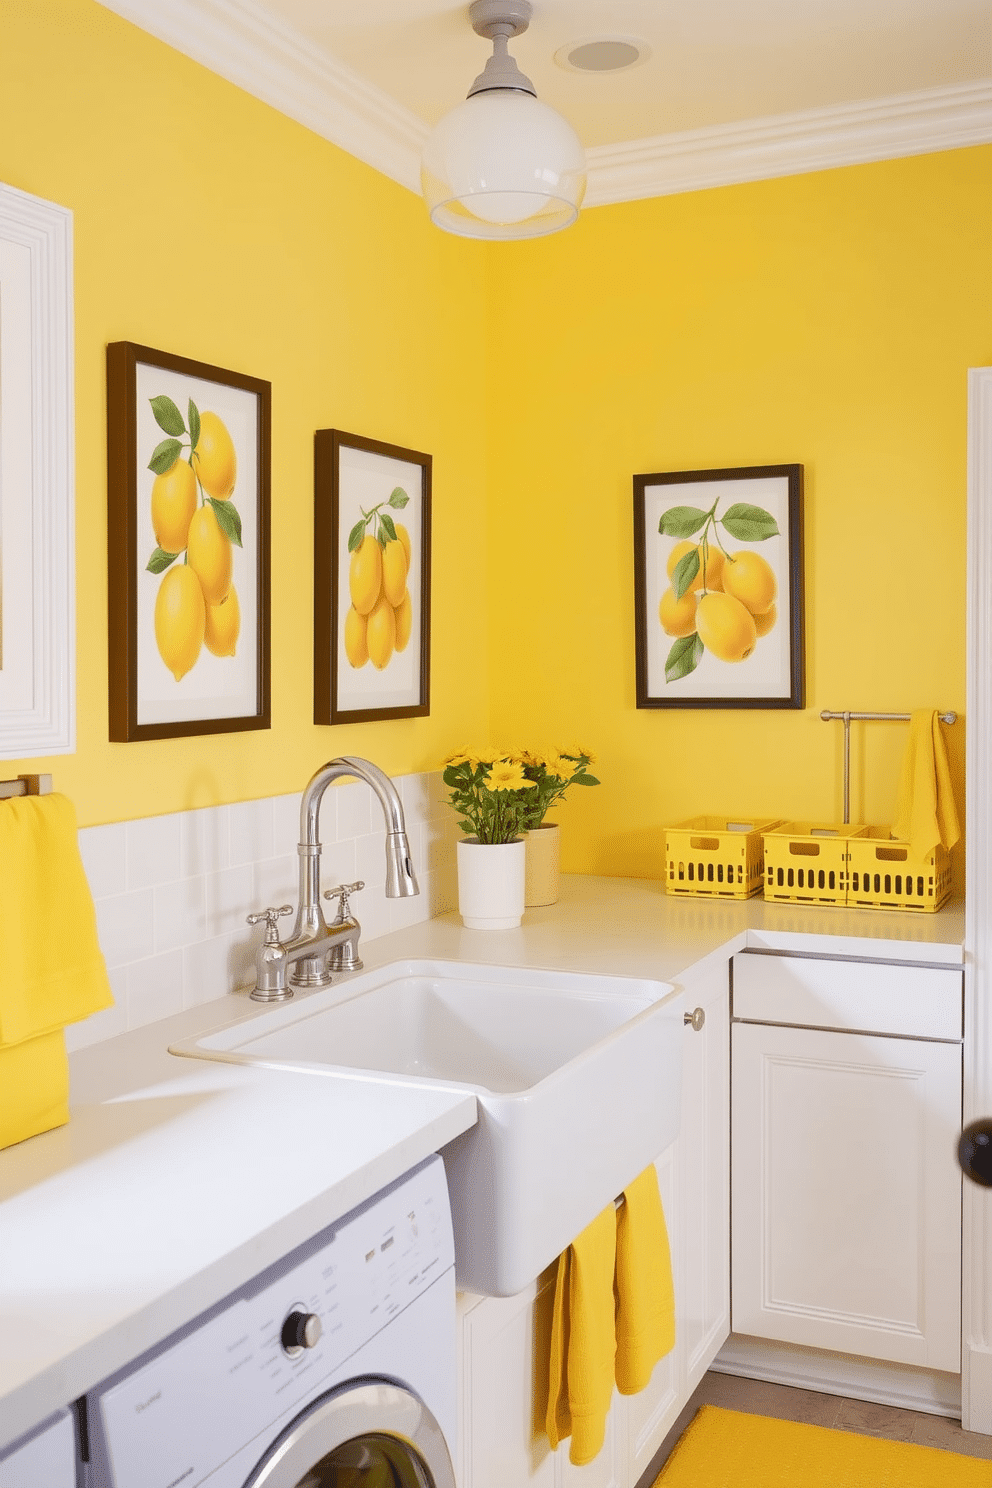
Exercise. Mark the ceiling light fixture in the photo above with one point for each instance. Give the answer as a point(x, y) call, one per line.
point(502, 164)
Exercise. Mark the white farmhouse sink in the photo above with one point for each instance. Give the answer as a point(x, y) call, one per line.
point(577, 1079)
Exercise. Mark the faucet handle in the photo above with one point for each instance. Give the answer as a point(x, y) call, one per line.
point(341, 893)
point(270, 916)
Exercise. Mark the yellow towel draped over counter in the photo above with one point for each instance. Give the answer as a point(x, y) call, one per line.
point(53, 971)
point(614, 1316)
point(925, 809)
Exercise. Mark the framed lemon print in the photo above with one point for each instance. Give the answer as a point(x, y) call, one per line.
point(372, 545)
point(718, 588)
point(188, 546)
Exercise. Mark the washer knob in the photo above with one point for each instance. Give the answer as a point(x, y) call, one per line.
point(301, 1330)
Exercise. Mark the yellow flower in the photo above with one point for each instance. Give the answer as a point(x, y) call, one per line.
point(506, 776)
point(486, 756)
point(559, 765)
point(459, 757)
point(576, 751)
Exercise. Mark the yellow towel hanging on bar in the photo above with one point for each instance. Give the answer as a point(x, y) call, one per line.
point(925, 809)
point(645, 1293)
point(583, 1340)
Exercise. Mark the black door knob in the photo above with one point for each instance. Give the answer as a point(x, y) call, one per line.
point(975, 1151)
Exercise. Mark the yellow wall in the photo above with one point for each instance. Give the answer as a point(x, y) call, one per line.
point(827, 319)
point(209, 225)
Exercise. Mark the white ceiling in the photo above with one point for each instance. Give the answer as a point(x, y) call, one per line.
point(731, 90)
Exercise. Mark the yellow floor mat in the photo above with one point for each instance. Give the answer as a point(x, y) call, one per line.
point(728, 1449)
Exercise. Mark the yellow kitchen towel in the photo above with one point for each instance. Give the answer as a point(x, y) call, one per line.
point(583, 1340)
point(645, 1292)
point(34, 1087)
point(53, 969)
point(925, 810)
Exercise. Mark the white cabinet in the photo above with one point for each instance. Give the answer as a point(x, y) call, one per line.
point(504, 1341)
point(846, 1192)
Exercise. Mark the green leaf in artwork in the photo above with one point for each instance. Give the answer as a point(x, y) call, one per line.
point(683, 658)
point(159, 561)
point(399, 498)
point(355, 536)
point(228, 519)
point(194, 423)
point(684, 572)
point(681, 521)
point(386, 527)
point(164, 456)
point(167, 415)
point(749, 523)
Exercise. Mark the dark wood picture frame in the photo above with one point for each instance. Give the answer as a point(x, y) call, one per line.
point(142, 433)
point(772, 673)
point(360, 493)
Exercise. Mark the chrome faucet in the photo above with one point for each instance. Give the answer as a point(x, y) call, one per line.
point(315, 950)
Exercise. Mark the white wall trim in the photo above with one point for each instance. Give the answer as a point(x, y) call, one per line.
point(977, 1230)
point(790, 144)
point(882, 1383)
point(243, 42)
point(37, 478)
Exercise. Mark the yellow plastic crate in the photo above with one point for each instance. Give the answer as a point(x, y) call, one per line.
point(716, 856)
point(886, 875)
point(808, 862)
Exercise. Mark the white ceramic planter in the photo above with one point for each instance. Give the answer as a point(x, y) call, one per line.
point(491, 883)
point(543, 859)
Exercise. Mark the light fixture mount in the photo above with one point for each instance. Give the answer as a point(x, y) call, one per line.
point(499, 21)
point(502, 164)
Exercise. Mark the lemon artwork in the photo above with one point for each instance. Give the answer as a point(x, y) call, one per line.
point(378, 622)
point(194, 519)
point(718, 601)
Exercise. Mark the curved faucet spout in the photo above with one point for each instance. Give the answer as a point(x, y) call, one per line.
point(303, 958)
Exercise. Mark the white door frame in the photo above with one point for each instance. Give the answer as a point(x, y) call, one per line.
point(976, 1352)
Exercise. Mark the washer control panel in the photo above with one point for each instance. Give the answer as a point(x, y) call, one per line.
point(194, 1403)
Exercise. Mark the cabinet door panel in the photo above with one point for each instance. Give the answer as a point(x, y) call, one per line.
point(846, 1193)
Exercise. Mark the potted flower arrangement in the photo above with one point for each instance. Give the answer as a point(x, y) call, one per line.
point(487, 789)
point(549, 775)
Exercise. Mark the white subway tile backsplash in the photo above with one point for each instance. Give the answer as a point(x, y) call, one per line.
point(180, 913)
point(126, 927)
point(276, 882)
point(104, 854)
point(250, 831)
point(154, 988)
point(204, 841)
point(105, 1025)
point(152, 851)
point(172, 892)
point(230, 898)
point(355, 803)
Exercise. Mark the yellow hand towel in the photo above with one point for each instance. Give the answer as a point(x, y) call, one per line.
point(925, 810)
point(645, 1294)
point(53, 970)
point(34, 1087)
point(583, 1340)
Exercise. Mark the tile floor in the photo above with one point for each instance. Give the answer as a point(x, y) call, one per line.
point(759, 1398)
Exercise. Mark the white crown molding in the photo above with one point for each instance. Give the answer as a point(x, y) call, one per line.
point(241, 41)
point(791, 144)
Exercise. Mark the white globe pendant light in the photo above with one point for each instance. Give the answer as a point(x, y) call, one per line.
point(502, 164)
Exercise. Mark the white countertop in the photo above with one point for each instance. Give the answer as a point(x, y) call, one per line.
point(178, 1180)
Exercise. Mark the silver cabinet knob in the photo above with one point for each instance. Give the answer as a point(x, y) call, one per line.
point(301, 1330)
point(695, 1019)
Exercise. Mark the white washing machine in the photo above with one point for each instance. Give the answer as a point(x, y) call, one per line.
point(335, 1368)
point(45, 1456)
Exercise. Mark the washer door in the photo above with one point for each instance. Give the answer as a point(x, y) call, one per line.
point(370, 1434)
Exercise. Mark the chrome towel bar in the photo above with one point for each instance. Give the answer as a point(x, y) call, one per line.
point(848, 718)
